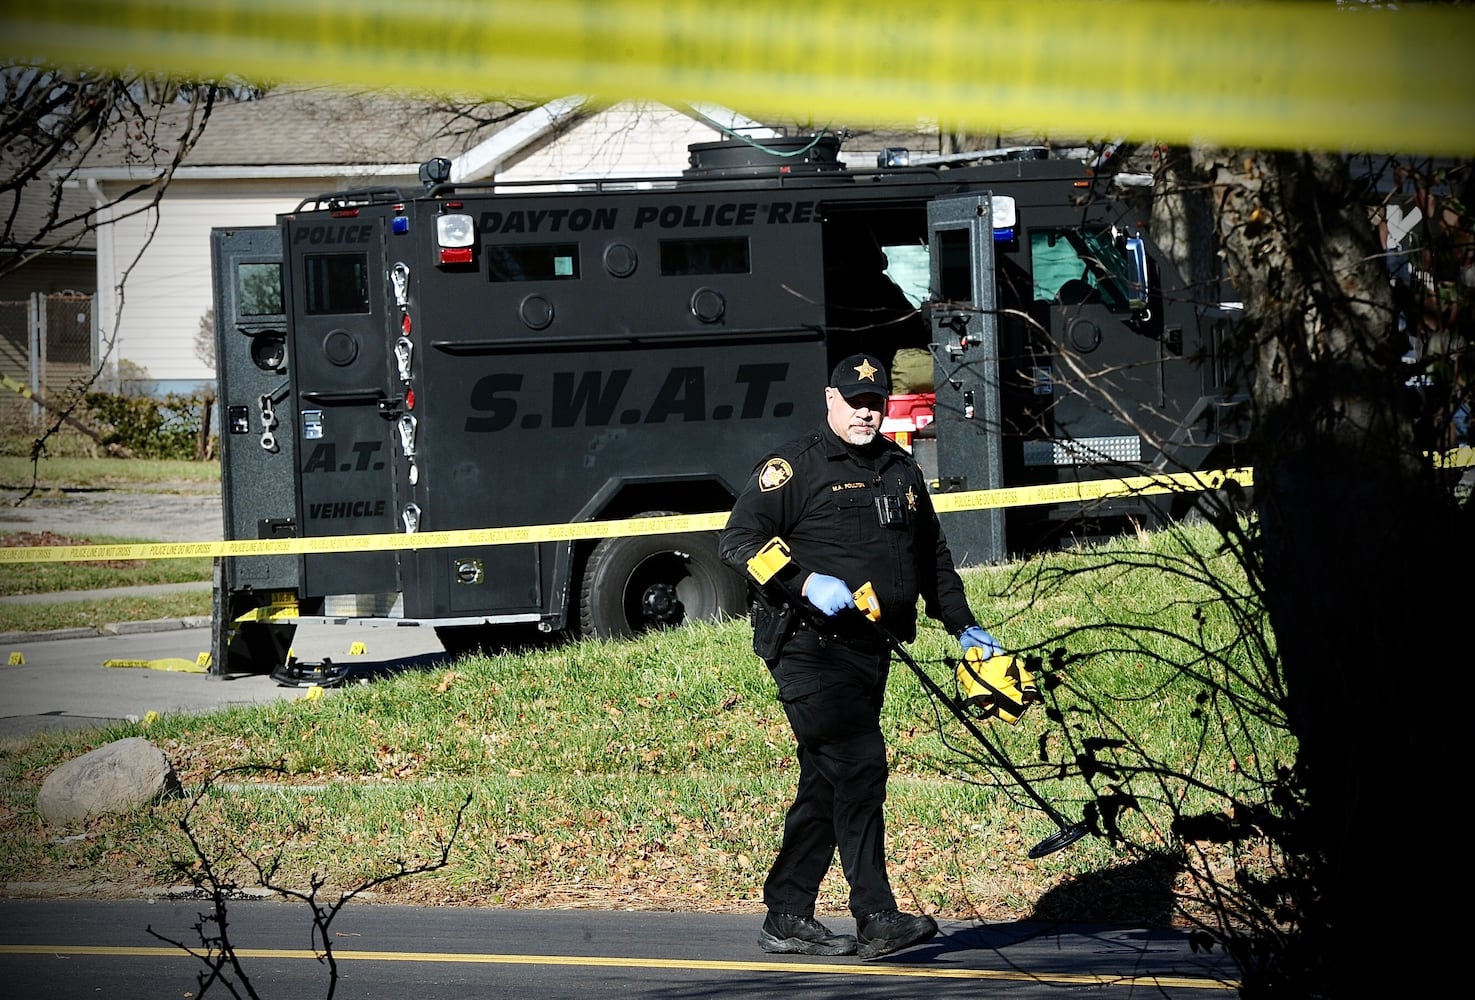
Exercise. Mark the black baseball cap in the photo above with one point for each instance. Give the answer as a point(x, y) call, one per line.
point(861, 375)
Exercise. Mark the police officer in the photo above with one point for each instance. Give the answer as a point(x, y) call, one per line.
point(851, 506)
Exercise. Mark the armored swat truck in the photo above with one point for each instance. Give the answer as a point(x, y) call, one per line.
point(484, 356)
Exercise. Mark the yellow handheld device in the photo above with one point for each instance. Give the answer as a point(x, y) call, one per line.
point(768, 560)
point(865, 599)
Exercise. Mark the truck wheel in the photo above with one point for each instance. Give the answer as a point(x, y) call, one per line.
point(635, 585)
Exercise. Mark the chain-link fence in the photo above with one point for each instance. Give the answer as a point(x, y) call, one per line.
point(47, 349)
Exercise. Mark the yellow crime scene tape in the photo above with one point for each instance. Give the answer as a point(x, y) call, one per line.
point(174, 664)
point(1291, 75)
point(1019, 496)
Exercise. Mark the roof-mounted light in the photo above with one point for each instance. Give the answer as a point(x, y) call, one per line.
point(435, 171)
point(1005, 217)
point(893, 156)
point(456, 234)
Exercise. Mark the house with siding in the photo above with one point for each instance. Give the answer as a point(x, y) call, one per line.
point(48, 272)
point(259, 158)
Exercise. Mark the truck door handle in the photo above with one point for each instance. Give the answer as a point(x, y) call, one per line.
point(345, 397)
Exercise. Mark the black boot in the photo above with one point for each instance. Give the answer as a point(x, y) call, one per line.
point(891, 930)
point(787, 933)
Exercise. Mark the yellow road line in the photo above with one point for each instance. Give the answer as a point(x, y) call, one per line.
point(591, 961)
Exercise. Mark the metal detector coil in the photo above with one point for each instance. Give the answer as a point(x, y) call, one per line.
point(996, 687)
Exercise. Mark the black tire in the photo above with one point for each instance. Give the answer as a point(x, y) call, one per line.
point(637, 584)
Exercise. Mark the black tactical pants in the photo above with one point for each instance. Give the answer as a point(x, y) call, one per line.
point(832, 695)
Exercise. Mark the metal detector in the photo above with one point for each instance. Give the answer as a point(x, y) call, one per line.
point(1068, 833)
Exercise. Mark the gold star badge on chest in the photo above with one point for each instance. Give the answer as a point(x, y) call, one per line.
point(911, 498)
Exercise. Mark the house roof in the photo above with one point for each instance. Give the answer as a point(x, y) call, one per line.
point(322, 131)
point(296, 131)
point(299, 131)
point(302, 131)
point(31, 219)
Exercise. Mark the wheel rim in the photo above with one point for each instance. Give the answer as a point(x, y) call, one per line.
point(660, 604)
point(659, 590)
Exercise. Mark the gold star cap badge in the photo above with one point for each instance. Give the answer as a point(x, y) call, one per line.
point(861, 374)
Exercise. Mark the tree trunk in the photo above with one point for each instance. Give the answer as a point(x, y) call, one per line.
point(1366, 556)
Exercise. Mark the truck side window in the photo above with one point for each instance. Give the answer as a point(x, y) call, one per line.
point(518, 262)
point(722, 255)
point(336, 283)
point(259, 289)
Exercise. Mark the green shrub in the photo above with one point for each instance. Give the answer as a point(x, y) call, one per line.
point(153, 427)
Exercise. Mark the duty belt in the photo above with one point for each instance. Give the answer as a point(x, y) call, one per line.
point(859, 643)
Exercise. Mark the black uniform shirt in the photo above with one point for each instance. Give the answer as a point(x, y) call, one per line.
point(820, 495)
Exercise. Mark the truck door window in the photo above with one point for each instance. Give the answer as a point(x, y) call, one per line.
point(520, 262)
point(723, 255)
point(336, 283)
point(259, 289)
point(955, 270)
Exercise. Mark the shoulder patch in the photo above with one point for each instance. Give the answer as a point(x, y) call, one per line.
point(775, 473)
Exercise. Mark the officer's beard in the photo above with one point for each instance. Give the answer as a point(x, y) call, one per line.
point(860, 437)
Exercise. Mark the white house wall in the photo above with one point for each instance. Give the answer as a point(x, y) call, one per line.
point(167, 292)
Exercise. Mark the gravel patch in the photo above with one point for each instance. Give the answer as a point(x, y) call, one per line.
point(172, 516)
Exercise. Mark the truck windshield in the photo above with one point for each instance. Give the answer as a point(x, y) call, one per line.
point(1073, 266)
point(907, 265)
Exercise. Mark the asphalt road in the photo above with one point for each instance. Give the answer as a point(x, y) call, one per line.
point(77, 948)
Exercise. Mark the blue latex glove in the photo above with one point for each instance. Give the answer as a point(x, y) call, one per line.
point(829, 594)
point(974, 637)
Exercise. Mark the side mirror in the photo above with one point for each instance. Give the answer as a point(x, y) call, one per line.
point(1137, 287)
